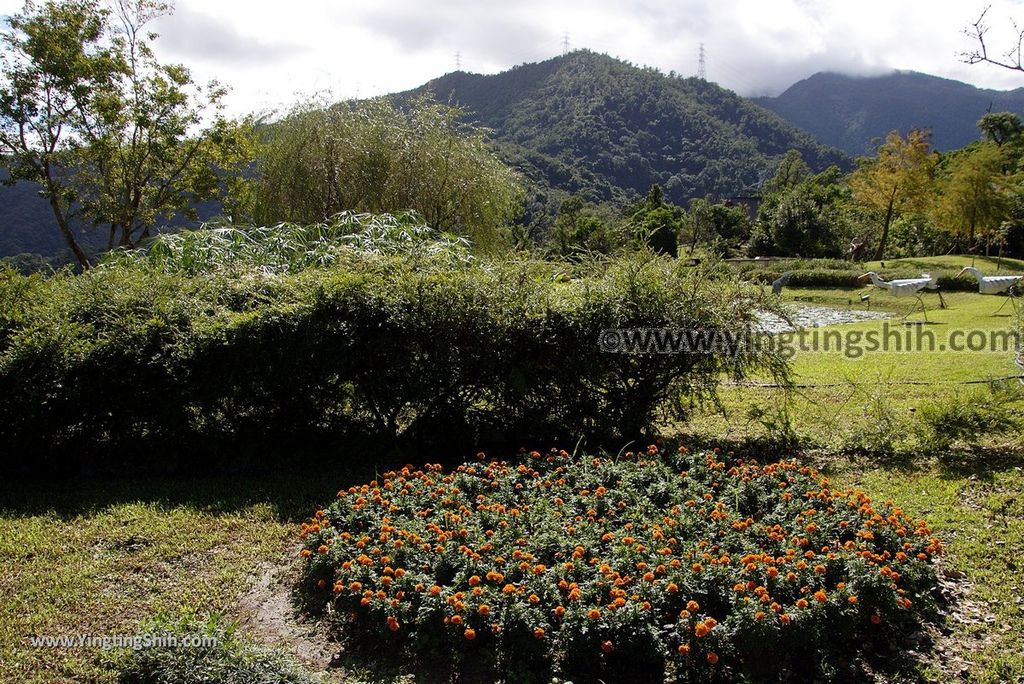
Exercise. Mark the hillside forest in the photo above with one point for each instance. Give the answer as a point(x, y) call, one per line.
point(577, 155)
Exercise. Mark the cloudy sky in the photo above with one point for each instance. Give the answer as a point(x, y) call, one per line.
point(271, 52)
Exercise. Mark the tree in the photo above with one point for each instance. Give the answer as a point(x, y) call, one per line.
point(897, 181)
point(113, 137)
point(975, 193)
point(577, 228)
point(806, 218)
point(54, 62)
point(655, 223)
point(374, 156)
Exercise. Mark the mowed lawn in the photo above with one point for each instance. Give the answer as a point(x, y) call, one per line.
point(97, 557)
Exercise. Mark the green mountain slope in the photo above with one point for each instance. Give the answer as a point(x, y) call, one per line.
point(582, 123)
point(849, 111)
point(591, 124)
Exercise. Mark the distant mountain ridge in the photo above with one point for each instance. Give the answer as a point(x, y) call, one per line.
point(591, 124)
point(847, 112)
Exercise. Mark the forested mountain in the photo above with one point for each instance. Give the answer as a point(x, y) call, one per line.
point(582, 123)
point(590, 124)
point(849, 111)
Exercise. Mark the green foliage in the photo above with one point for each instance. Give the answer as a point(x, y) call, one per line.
point(140, 355)
point(591, 125)
point(290, 248)
point(112, 136)
point(602, 568)
point(898, 181)
point(963, 417)
point(372, 156)
point(802, 214)
point(226, 657)
point(579, 229)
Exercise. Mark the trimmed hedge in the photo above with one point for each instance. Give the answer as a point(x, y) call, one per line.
point(833, 277)
point(129, 367)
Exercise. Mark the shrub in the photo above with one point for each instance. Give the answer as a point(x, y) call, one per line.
point(225, 658)
point(964, 417)
point(137, 358)
point(702, 566)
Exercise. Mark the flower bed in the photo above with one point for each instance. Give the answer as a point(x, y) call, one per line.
point(690, 566)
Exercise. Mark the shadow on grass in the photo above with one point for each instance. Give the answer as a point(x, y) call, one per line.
point(293, 491)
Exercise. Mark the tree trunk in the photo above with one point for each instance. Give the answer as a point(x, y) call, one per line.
point(880, 251)
point(62, 222)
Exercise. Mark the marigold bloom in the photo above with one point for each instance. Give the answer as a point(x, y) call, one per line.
point(712, 657)
point(594, 614)
point(684, 649)
point(538, 632)
point(607, 646)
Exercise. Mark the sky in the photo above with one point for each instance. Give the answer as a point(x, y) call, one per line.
point(273, 53)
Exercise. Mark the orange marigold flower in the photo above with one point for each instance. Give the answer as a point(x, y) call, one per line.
point(456, 619)
point(559, 611)
point(801, 603)
point(393, 623)
point(820, 596)
point(852, 599)
point(684, 649)
point(435, 590)
point(701, 630)
point(648, 576)
point(876, 619)
point(534, 599)
point(607, 646)
point(692, 606)
point(474, 580)
point(594, 614)
point(538, 632)
point(672, 587)
point(785, 619)
point(712, 657)
point(470, 633)
point(483, 609)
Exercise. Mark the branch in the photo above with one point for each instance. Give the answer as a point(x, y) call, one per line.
point(1011, 60)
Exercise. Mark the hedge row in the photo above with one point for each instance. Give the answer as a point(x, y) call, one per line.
point(837, 278)
point(131, 367)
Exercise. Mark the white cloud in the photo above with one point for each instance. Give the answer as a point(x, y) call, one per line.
point(271, 52)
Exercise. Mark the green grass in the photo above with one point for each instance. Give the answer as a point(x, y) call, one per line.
point(838, 396)
point(97, 558)
point(979, 516)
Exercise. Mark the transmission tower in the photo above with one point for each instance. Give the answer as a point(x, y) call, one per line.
point(702, 70)
point(565, 43)
point(458, 61)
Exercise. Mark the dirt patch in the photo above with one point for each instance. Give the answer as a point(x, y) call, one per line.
point(268, 614)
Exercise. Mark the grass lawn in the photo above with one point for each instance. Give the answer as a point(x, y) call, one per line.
point(97, 557)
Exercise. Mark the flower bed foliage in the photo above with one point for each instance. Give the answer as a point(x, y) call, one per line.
point(690, 566)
